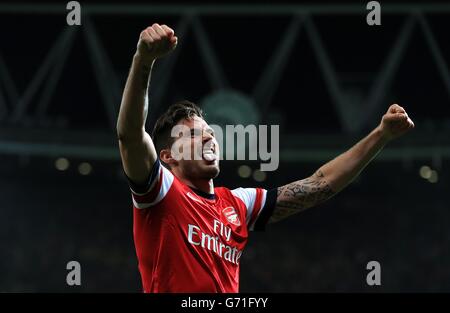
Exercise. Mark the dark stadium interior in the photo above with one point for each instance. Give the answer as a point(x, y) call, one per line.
point(394, 213)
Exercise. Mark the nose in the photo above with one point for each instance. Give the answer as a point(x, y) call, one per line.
point(207, 137)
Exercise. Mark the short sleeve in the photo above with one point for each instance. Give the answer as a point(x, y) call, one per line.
point(259, 203)
point(154, 190)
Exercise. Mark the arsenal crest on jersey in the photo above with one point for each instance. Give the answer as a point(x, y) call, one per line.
point(231, 215)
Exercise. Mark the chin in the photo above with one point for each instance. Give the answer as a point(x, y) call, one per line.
point(210, 171)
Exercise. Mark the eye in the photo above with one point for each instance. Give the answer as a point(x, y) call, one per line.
point(195, 132)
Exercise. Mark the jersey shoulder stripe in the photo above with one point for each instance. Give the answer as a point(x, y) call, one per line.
point(159, 184)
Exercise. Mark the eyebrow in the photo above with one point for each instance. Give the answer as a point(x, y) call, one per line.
point(193, 130)
point(208, 129)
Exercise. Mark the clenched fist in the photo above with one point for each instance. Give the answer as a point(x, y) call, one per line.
point(395, 122)
point(155, 42)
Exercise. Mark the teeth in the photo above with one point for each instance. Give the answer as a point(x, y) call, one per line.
point(209, 155)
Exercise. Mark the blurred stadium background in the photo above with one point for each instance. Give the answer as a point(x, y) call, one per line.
point(319, 71)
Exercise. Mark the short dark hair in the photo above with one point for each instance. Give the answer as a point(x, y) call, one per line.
point(161, 133)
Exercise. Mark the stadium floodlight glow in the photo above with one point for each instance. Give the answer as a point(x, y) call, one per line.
point(433, 177)
point(85, 168)
point(62, 164)
point(228, 106)
point(425, 172)
point(259, 176)
point(244, 171)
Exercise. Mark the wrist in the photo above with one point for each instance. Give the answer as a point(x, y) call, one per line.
point(142, 60)
point(382, 134)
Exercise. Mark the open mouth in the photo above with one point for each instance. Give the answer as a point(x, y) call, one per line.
point(209, 152)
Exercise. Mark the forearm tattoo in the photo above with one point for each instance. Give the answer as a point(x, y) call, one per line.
point(300, 195)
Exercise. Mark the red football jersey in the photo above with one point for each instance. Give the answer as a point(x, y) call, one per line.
point(190, 241)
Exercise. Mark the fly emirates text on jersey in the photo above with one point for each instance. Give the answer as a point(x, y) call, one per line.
point(214, 243)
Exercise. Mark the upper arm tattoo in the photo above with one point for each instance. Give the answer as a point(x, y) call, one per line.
point(300, 195)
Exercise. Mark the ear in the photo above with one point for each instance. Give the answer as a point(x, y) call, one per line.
point(166, 157)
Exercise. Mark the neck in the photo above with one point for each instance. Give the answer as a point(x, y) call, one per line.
point(205, 185)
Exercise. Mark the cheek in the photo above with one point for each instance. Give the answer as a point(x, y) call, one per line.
point(190, 148)
point(196, 143)
point(197, 148)
point(186, 144)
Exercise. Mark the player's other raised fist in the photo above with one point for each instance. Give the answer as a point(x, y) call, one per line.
point(396, 122)
point(155, 42)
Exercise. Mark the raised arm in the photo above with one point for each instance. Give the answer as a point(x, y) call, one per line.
point(339, 172)
point(136, 147)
